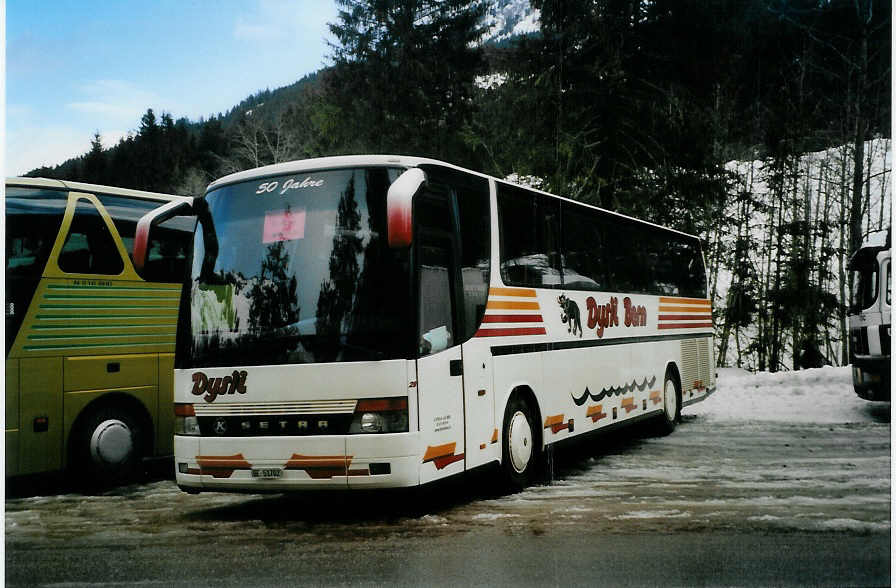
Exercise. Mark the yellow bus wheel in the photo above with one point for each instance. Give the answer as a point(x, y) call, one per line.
point(108, 447)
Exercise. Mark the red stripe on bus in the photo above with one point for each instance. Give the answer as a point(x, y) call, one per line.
point(447, 460)
point(685, 317)
point(684, 325)
point(512, 318)
point(510, 332)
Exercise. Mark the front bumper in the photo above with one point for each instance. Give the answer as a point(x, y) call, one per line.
point(871, 377)
point(304, 463)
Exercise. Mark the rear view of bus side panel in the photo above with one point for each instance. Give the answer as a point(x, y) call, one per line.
point(615, 308)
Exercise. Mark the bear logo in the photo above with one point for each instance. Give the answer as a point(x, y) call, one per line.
point(569, 314)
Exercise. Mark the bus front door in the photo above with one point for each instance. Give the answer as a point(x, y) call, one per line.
point(439, 363)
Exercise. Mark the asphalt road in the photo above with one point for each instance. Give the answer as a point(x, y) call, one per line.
point(713, 504)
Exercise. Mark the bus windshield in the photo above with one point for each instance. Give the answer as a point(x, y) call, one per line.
point(304, 273)
point(864, 287)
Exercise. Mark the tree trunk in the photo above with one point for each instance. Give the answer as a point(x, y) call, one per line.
point(860, 130)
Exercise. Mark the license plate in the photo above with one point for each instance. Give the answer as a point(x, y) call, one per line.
point(267, 473)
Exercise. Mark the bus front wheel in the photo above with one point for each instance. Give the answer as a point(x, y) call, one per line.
point(108, 447)
point(520, 449)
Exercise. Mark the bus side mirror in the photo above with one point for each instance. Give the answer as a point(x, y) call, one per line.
point(399, 202)
point(151, 219)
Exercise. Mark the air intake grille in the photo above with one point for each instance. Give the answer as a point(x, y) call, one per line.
point(696, 364)
point(689, 364)
point(704, 365)
point(276, 408)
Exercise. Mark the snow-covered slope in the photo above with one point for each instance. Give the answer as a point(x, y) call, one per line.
point(807, 396)
point(507, 18)
point(822, 182)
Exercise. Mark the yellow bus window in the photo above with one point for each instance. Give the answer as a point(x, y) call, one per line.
point(89, 247)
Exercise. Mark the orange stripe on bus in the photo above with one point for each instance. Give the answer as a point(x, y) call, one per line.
point(223, 461)
point(221, 466)
point(511, 305)
point(596, 413)
point(495, 436)
point(439, 451)
point(301, 462)
point(553, 420)
point(694, 301)
point(556, 424)
point(525, 292)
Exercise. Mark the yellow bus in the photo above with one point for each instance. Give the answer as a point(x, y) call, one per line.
point(89, 339)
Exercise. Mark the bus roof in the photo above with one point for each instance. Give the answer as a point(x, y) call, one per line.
point(405, 161)
point(92, 188)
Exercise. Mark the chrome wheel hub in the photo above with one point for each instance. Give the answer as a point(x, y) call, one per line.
point(519, 442)
point(670, 400)
point(111, 442)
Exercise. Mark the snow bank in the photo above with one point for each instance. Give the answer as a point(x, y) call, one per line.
point(822, 395)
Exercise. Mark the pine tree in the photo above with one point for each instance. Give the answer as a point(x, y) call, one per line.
point(404, 74)
point(95, 161)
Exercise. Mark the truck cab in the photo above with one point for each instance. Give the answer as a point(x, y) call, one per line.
point(869, 320)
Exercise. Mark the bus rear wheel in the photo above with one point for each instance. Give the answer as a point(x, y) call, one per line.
point(520, 450)
point(108, 448)
point(671, 404)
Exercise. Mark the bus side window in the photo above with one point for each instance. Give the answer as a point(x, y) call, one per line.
point(624, 256)
point(584, 264)
point(89, 247)
point(33, 217)
point(530, 238)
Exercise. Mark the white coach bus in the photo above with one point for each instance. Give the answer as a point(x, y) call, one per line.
point(379, 321)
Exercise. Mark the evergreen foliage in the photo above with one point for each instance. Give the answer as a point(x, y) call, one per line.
point(633, 105)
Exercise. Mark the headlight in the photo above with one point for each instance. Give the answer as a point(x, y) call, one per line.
point(372, 422)
point(381, 415)
point(185, 421)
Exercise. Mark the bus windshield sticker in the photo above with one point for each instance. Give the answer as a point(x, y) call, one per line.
point(283, 225)
point(290, 184)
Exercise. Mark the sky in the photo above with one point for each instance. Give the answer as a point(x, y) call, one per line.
point(74, 68)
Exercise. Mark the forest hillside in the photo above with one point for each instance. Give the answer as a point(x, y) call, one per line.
point(762, 126)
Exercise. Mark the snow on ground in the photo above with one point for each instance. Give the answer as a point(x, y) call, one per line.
point(790, 451)
point(822, 395)
point(785, 452)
